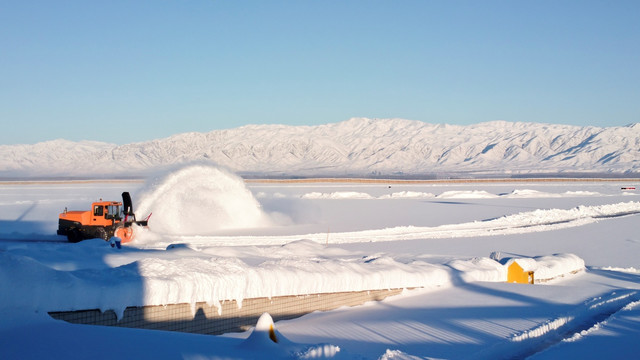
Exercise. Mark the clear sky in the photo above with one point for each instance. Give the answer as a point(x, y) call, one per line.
point(129, 71)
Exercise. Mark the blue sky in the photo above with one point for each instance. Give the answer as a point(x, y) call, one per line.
point(129, 71)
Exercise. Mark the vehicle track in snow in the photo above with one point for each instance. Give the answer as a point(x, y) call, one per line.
point(582, 318)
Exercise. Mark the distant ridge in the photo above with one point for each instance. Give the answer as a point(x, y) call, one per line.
point(358, 147)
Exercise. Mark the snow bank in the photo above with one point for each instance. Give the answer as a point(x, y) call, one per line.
point(114, 288)
point(630, 270)
point(203, 278)
point(199, 200)
point(527, 193)
point(557, 216)
point(338, 195)
point(408, 195)
point(549, 267)
point(215, 279)
point(466, 194)
point(545, 268)
point(480, 269)
point(581, 193)
point(452, 194)
point(557, 265)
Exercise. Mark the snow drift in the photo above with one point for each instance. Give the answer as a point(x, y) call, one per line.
point(547, 268)
point(175, 278)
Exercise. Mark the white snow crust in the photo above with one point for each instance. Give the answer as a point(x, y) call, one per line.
point(580, 238)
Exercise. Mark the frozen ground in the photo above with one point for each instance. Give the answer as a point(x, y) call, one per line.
point(211, 238)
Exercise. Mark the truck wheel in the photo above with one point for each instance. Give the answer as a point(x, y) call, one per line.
point(101, 233)
point(74, 236)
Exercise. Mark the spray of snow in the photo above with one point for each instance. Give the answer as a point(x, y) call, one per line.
point(200, 200)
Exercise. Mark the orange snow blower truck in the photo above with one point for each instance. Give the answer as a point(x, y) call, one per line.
point(105, 220)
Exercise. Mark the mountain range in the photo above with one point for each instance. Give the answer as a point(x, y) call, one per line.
point(358, 147)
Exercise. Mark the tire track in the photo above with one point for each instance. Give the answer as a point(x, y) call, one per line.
point(584, 317)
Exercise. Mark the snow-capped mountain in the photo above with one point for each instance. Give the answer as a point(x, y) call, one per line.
point(357, 147)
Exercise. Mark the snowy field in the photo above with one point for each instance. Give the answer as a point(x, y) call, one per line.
point(213, 238)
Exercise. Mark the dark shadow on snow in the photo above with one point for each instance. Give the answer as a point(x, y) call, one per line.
point(462, 329)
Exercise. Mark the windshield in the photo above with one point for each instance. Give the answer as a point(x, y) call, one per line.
point(113, 212)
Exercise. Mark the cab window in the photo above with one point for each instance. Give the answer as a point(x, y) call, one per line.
point(98, 210)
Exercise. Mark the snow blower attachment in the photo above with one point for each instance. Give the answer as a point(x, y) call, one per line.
point(105, 220)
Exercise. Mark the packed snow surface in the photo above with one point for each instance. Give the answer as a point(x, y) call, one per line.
point(445, 239)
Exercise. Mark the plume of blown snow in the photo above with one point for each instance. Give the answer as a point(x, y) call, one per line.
point(200, 199)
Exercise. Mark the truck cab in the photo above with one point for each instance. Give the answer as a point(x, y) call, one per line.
point(98, 222)
point(106, 213)
point(105, 220)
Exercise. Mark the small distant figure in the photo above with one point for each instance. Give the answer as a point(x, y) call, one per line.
point(116, 242)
